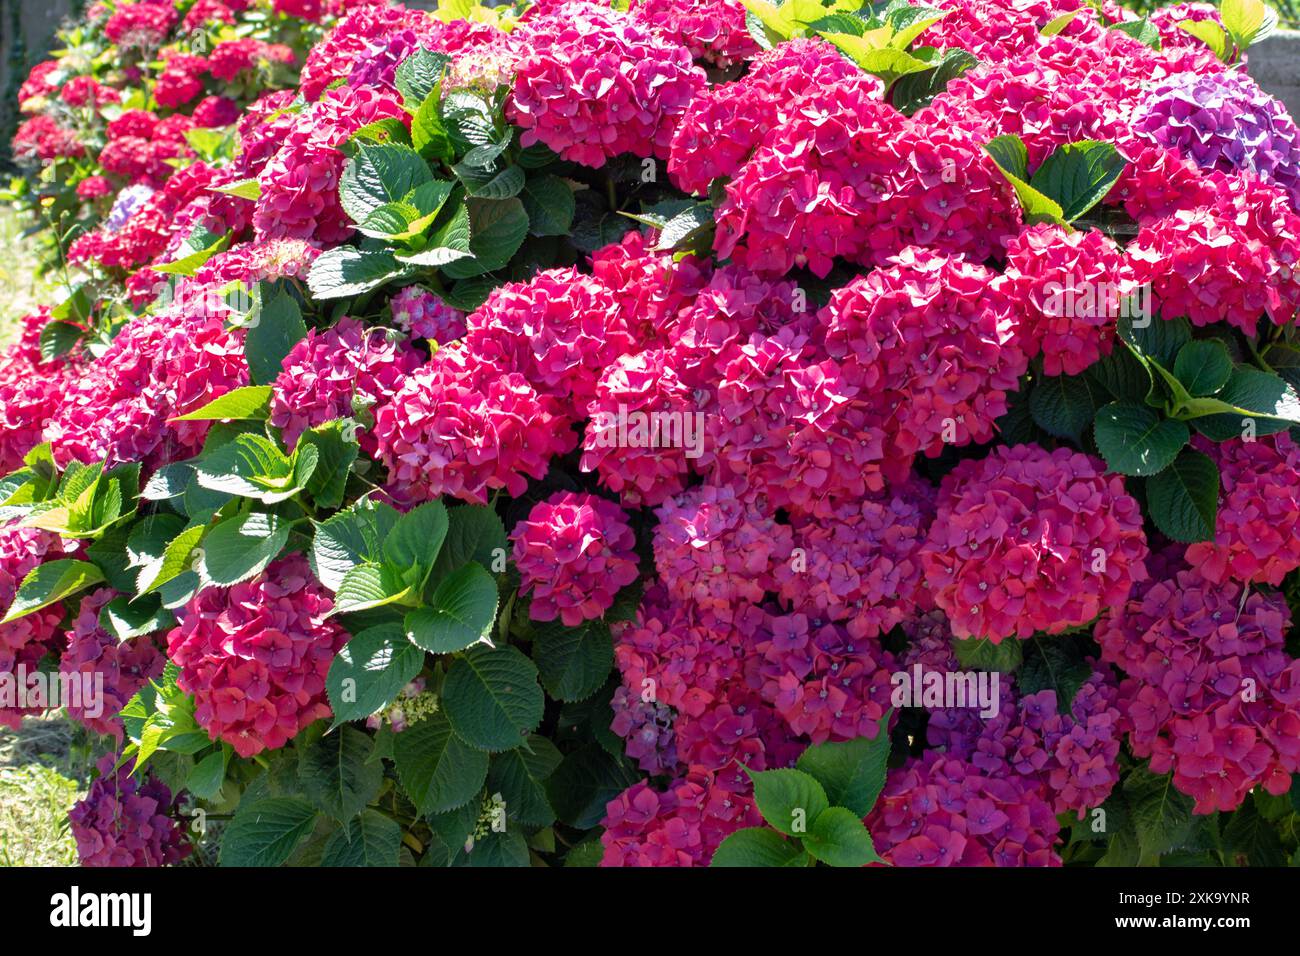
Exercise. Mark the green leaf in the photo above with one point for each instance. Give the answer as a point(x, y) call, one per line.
point(1209, 33)
point(1058, 663)
point(1243, 19)
point(370, 585)
point(1143, 30)
point(1251, 840)
point(983, 654)
point(335, 453)
point(449, 242)
point(419, 74)
point(1135, 440)
point(201, 246)
point(496, 849)
point(1059, 23)
point(758, 846)
point(1064, 405)
point(548, 201)
point(241, 547)
point(788, 799)
point(460, 612)
point(370, 671)
point(1159, 340)
point(174, 561)
point(126, 619)
point(50, 582)
point(1161, 814)
point(266, 832)
point(520, 777)
point(371, 839)
point(852, 772)
point(351, 537)
point(1203, 366)
point(428, 134)
point(585, 781)
point(1078, 175)
point(252, 466)
point(681, 230)
point(252, 402)
point(276, 330)
point(205, 780)
point(474, 533)
point(1012, 158)
point(240, 189)
point(509, 182)
point(492, 698)
point(1183, 500)
point(914, 91)
point(343, 271)
point(378, 174)
point(438, 770)
point(58, 338)
point(573, 662)
point(838, 838)
point(497, 229)
point(336, 775)
point(416, 539)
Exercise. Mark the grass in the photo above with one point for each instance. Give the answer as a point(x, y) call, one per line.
point(41, 776)
point(26, 283)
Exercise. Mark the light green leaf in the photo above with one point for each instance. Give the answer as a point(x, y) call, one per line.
point(788, 799)
point(252, 402)
point(50, 582)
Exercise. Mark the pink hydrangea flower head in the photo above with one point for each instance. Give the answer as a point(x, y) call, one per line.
point(574, 552)
point(680, 827)
point(459, 426)
point(26, 640)
point(95, 655)
point(596, 84)
point(128, 820)
point(1257, 530)
point(337, 373)
point(713, 30)
point(1068, 289)
point(255, 655)
point(422, 315)
point(1028, 540)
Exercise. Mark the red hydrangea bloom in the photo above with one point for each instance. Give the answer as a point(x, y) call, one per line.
point(84, 91)
point(41, 137)
point(29, 638)
point(94, 187)
point(352, 40)
point(712, 548)
point(144, 24)
point(1068, 289)
point(713, 30)
point(30, 393)
point(127, 820)
point(651, 288)
point(95, 654)
point(214, 112)
point(132, 122)
point(313, 10)
point(1028, 540)
point(1257, 531)
point(740, 729)
point(207, 13)
point(595, 84)
point(253, 262)
point(825, 682)
point(1212, 694)
point(230, 58)
point(725, 123)
point(1205, 267)
point(158, 367)
point(299, 184)
point(932, 346)
point(459, 427)
point(255, 656)
point(40, 82)
point(936, 810)
point(574, 552)
point(262, 129)
point(560, 330)
point(680, 654)
point(180, 82)
point(422, 315)
point(680, 827)
point(644, 429)
point(330, 374)
point(860, 565)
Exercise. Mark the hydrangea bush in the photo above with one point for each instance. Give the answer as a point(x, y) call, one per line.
point(671, 433)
